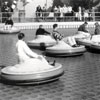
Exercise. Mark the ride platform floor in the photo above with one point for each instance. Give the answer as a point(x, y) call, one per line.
point(81, 81)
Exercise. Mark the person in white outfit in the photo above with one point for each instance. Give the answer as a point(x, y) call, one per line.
point(28, 59)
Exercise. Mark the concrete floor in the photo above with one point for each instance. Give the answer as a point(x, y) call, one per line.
point(81, 80)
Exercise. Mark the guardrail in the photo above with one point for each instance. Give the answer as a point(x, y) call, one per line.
point(48, 25)
point(51, 17)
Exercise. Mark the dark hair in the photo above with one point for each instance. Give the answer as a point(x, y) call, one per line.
point(85, 22)
point(40, 26)
point(97, 24)
point(21, 36)
point(55, 25)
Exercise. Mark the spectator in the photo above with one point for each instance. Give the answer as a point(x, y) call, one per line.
point(38, 11)
point(42, 31)
point(44, 12)
point(86, 15)
point(56, 11)
point(80, 13)
point(60, 11)
point(83, 10)
point(90, 14)
point(69, 9)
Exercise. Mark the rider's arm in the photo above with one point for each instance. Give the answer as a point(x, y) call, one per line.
point(29, 52)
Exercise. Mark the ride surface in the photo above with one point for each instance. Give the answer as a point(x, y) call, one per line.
point(81, 80)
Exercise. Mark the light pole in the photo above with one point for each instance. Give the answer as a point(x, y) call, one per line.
point(1, 4)
point(46, 4)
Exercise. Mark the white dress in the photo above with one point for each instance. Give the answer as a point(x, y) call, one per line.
point(28, 61)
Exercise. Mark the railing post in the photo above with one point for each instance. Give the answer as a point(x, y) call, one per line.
point(19, 15)
point(93, 13)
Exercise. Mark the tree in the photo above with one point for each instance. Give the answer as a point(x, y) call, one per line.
point(9, 2)
point(57, 3)
point(87, 4)
point(67, 2)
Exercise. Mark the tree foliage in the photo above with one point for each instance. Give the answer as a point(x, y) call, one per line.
point(2, 2)
point(57, 3)
point(87, 4)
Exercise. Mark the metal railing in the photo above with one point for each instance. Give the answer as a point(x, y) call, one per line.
point(50, 17)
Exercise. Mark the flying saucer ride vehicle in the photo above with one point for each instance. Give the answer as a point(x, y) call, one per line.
point(9, 30)
point(42, 41)
point(23, 74)
point(63, 49)
point(93, 43)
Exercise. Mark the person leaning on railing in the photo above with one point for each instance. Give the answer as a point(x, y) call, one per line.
point(38, 11)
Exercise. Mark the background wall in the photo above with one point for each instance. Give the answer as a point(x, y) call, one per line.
point(30, 8)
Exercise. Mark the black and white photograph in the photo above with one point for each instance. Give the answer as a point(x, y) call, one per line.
point(49, 49)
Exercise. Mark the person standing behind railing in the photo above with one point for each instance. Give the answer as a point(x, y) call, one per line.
point(55, 13)
point(38, 11)
point(86, 15)
point(69, 9)
point(80, 13)
point(60, 11)
point(65, 11)
point(44, 13)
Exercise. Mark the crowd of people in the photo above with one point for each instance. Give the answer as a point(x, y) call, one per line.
point(64, 12)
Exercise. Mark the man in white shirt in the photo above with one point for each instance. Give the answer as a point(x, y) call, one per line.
point(24, 52)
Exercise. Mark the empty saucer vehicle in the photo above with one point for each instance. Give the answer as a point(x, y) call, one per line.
point(19, 75)
point(9, 30)
point(93, 43)
point(63, 49)
point(42, 41)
